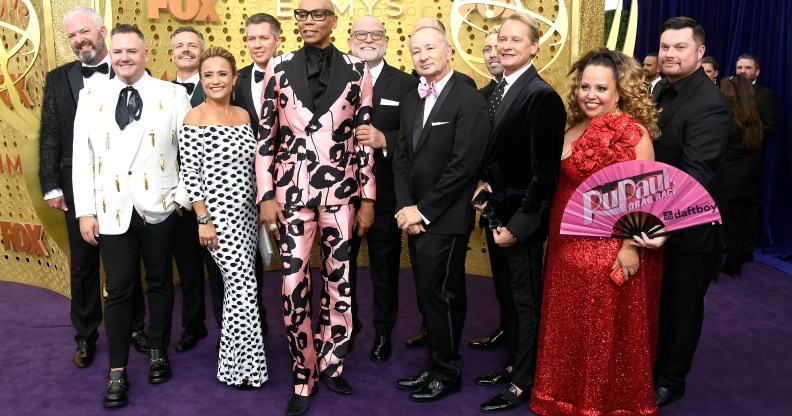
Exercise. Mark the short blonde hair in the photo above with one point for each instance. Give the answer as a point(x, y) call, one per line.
point(533, 25)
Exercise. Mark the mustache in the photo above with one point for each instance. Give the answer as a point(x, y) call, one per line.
point(86, 42)
point(187, 54)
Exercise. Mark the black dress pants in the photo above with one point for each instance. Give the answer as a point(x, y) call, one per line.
point(439, 265)
point(384, 249)
point(119, 254)
point(187, 253)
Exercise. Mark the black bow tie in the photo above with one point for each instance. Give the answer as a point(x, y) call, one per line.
point(88, 71)
point(129, 107)
point(188, 85)
point(258, 76)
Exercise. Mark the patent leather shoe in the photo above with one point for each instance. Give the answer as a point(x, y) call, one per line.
point(189, 340)
point(299, 405)
point(493, 378)
point(159, 367)
point(435, 390)
point(415, 382)
point(337, 384)
point(666, 395)
point(84, 355)
point(506, 400)
point(418, 339)
point(495, 339)
point(140, 341)
point(382, 350)
point(115, 392)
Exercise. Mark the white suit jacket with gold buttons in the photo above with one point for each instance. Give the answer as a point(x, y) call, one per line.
point(116, 171)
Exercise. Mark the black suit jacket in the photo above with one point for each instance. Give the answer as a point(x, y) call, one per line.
point(439, 174)
point(523, 156)
point(392, 86)
point(487, 89)
point(768, 109)
point(695, 129)
point(243, 97)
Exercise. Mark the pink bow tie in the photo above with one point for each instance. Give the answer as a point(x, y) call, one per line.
point(425, 90)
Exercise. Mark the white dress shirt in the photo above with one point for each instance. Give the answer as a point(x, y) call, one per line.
point(195, 79)
point(430, 99)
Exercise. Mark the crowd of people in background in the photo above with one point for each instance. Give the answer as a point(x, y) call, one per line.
point(344, 145)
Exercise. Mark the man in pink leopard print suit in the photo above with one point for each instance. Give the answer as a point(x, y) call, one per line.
point(312, 171)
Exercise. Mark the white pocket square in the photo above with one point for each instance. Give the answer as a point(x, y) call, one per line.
point(438, 123)
point(386, 101)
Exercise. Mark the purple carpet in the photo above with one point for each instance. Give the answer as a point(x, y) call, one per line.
point(742, 366)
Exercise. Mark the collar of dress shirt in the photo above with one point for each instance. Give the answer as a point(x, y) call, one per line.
point(137, 85)
point(439, 84)
point(512, 78)
point(103, 61)
point(375, 71)
point(195, 79)
point(256, 67)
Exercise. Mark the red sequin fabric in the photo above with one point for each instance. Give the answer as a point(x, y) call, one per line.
point(597, 341)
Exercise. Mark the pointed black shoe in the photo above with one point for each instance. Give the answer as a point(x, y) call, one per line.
point(190, 339)
point(299, 405)
point(382, 350)
point(413, 383)
point(84, 355)
point(115, 392)
point(505, 401)
point(337, 385)
point(436, 390)
point(666, 395)
point(159, 367)
point(495, 339)
point(493, 378)
point(418, 339)
point(139, 340)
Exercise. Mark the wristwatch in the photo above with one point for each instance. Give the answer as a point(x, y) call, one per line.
point(203, 219)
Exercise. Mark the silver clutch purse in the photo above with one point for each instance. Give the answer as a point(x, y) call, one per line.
point(265, 245)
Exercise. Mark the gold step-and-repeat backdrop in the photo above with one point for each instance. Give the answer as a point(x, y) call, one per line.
point(34, 244)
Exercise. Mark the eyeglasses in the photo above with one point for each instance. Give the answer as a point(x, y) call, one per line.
point(362, 35)
point(316, 14)
point(489, 214)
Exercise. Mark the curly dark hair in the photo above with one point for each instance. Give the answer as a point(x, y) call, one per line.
point(634, 98)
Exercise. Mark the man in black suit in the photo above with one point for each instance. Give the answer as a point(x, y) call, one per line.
point(368, 42)
point(263, 38)
point(437, 156)
point(86, 34)
point(750, 66)
point(520, 169)
point(695, 123)
point(187, 44)
point(651, 69)
point(502, 292)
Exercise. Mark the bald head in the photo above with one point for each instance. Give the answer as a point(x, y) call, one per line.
point(367, 40)
point(367, 23)
point(316, 4)
point(428, 22)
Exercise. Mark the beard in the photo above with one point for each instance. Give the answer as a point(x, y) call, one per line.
point(369, 55)
point(88, 56)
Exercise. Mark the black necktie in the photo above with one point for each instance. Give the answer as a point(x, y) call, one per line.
point(88, 71)
point(188, 85)
point(129, 107)
point(494, 99)
point(258, 76)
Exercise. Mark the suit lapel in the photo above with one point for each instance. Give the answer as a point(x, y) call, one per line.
point(382, 83)
point(245, 76)
point(435, 109)
point(198, 95)
point(75, 80)
point(674, 105)
point(512, 94)
point(295, 72)
point(340, 74)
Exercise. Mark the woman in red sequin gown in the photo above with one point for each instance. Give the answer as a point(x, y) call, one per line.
point(597, 340)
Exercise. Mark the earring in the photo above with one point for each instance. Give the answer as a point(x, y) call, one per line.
point(233, 96)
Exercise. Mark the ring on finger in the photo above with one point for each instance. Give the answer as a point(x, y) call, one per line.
point(272, 227)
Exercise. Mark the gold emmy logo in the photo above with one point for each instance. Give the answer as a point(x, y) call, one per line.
point(197, 10)
point(20, 26)
point(471, 15)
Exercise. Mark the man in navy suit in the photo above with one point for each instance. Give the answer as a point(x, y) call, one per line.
point(367, 41)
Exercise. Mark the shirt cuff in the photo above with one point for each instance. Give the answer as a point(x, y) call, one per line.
point(55, 193)
point(426, 221)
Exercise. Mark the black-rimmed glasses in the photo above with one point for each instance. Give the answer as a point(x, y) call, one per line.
point(489, 215)
point(316, 14)
point(361, 35)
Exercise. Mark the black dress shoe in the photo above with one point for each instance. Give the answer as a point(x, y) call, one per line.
point(299, 405)
point(246, 385)
point(493, 378)
point(84, 355)
point(415, 382)
point(337, 385)
point(190, 339)
point(495, 339)
point(731, 272)
point(382, 350)
point(115, 392)
point(435, 390)
point(140, 341)
point(666, 395)
point(418, 339)
point(505, 400)
point(159, 367)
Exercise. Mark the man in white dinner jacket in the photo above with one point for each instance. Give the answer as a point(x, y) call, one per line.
point(127, 195)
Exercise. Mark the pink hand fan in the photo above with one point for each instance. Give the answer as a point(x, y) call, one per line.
point(614, 202)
